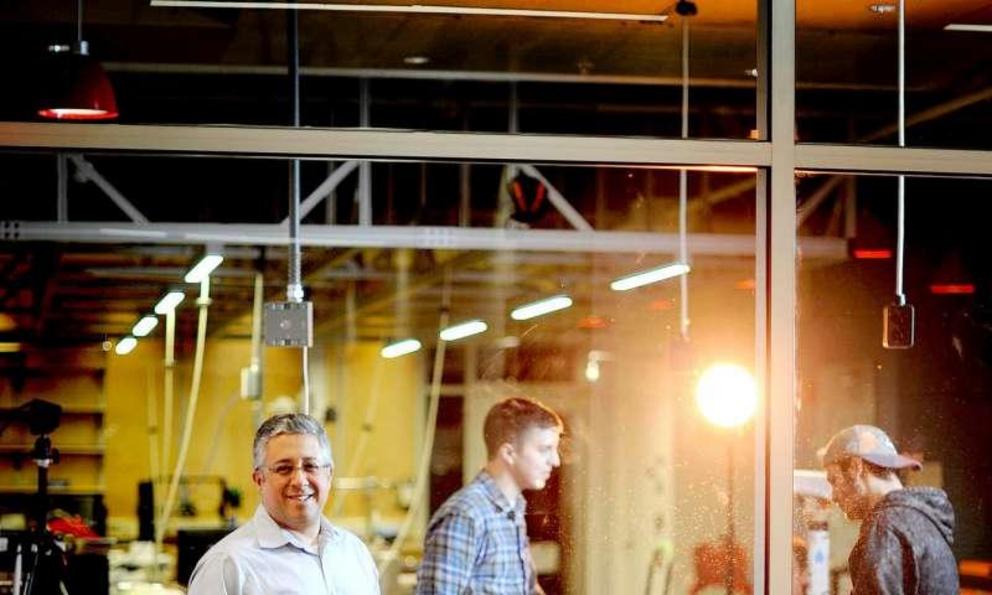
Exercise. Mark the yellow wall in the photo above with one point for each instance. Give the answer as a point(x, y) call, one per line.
point(224, 427)
point(353, 373)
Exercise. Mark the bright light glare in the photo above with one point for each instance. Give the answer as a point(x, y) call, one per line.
point(465, 329)
point(126, 345)
point(592, 370)
point(400, 348)
point(207, 264)
point(541, 307)
point(169, 302)
point(650, 276)
point(144, 326)
point(726, 395)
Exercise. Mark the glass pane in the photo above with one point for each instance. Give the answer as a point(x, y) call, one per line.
point(648, 490)
point(927, 391)
point(847, 74)
point(592, 68)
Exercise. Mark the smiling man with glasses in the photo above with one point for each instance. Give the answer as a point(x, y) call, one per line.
point(288, 546)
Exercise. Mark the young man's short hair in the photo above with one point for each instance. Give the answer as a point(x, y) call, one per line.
point(510, 418)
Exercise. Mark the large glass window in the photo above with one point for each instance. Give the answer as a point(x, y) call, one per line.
point(656, 489)
point(847, 73)
point(589, 68)
point(927, 390)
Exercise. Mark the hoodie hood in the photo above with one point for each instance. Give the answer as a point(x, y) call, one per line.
point(931, 502)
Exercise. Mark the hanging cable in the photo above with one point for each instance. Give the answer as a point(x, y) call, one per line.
point(194, 395)
point(167, 397)
point(79, 23)
point(294, 287)
point(899, 318)
point(684, 191)
point(256, 367)
point(901, 208)
point(151, 425)
point(427, 449)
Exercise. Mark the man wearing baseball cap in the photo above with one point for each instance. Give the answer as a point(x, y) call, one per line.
point(904, 545)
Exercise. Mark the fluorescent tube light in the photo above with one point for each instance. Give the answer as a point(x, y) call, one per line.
point(126, 345)
point(169, 302)
point(207, 264)
point(400, 348)
point(144, 326)
point(969, 27)
point(421, 9)
point(541, 307)
point(650, 276)
point(464, 329)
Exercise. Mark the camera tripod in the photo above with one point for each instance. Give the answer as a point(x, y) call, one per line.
point(40, 566)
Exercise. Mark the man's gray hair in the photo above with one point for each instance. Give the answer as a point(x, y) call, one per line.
point(288, 423)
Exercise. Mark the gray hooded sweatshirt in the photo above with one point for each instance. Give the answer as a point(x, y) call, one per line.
point(904, 546)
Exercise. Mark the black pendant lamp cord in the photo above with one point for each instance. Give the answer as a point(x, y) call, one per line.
point(79, 25)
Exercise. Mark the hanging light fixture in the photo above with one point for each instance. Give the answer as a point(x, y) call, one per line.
point(77, 88)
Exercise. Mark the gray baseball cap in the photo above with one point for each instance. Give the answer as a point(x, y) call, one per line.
point(869, 443)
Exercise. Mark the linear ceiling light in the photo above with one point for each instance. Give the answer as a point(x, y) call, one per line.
point(169, 302)
point(969, 27)
point(399, 348)
point(422, 9)
point(464, 329)
point(650, 276)
point(126, 346)
point(207, 264)
point(541, 307)
point(144, 326)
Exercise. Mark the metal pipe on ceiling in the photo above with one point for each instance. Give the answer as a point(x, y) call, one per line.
point(421, 237)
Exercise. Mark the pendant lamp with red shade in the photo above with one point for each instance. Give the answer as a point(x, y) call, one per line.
point(76, 86)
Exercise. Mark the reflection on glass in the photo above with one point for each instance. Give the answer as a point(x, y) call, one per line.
point(847, 64)
point(565, 67)
point(643, 500)
point(930, 398)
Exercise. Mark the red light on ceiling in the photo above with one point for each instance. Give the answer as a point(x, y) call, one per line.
point(745, 284)
point(593, 323)
point(952, 288)
point(76, 87)
point(872, 253)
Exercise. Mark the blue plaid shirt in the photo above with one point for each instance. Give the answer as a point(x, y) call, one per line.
point(477, 544)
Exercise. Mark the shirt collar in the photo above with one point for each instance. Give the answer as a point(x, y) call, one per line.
point(271, 535)
point(497, 496)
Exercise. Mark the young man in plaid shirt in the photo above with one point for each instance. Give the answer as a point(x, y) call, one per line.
point(477, 541)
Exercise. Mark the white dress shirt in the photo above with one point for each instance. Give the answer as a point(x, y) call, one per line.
point(262, 558)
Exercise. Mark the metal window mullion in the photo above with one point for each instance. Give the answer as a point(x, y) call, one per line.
point(893, 160)
point(781, 304)
point(343, 144)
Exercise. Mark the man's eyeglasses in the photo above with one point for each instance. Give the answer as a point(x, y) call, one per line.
point(287, 469)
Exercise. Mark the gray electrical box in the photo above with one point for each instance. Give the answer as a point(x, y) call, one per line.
point(288, 324)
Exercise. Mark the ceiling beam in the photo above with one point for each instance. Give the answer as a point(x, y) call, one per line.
point(326, 143)
point(422, 237)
